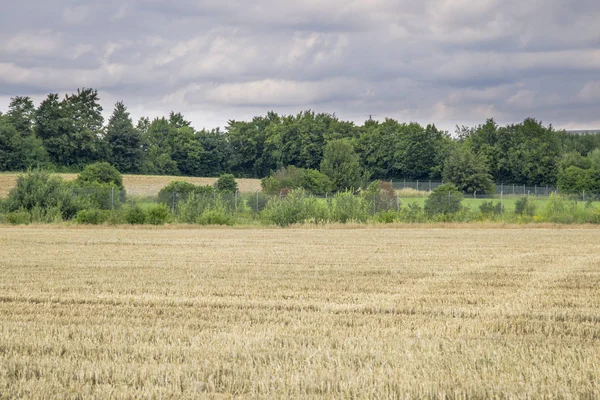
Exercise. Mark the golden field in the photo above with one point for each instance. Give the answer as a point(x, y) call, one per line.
point(140, 185)
point(336, 313)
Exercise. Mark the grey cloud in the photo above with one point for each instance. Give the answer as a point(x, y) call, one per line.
point(443, 61)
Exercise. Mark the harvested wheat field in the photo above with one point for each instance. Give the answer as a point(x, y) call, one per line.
point(403, 313)
point(140, 185)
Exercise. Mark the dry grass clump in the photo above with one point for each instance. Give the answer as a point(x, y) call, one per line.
point(410, 192)
point(140, 185)
point(402, 313)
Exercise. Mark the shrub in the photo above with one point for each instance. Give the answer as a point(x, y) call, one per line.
point(21, 217)
point(315, 182)
point(412, 213)
point(382, 196)
point(348, 207)
point(38, 190)
point(191, 208)
point(100, 172)
point(158, 215)
point(295, 208)
point(524, 206)
point(215, 216)
point(176, 191)
point(93, 217)
point(386, 217)
point(489, 208)
point(226, 183)
point(445, 199)
point(311, 180)
point(135, 216)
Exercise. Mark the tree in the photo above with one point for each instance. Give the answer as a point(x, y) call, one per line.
point(468, 172)
point(226, 183)
point(341, 164)
point(86, 122)
point(101, 172)
point(124, 141)
point(445, 199)
point(19, 150)
point(21, 114)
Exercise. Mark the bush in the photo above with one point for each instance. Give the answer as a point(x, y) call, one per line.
point(348, 207)
point(21, 217)
point(295, 208)
point(158, 215)
point(386, 217)
point(215, 216)
point(311, 180)
point(135, 216)
point(100, 172)
point(93, 217)
point(524, 206)
point(226, 183)
point(489, 208)
point(445, 199)
point(177, 191)
point(194, 206)
point(412, 213)
point(38, 190)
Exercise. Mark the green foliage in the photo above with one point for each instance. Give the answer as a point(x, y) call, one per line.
point(21, 217)
point(341, 164)
point(123, 141)
point(226, 184)
point(346, 207)
point(490, 208)
point(158, 215)
point(412, 213)
point(100, 172)
point(386, 217)
point(575, 180)
point(37, 190)
point(93, 217)
point(177, 191)
point(135, 216)
point(468, 172)
point(445, 199)
point(524, 206)
point(292, 177)
point(294, 208)
point(216, 216)
point(382, 196)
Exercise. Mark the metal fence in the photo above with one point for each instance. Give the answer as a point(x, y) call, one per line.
point(255, 202)
point(506, 189)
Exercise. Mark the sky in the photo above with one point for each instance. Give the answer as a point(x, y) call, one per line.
point(448, 62)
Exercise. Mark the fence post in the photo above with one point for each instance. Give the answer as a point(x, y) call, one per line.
point(173, 202)
point(235, 199)
point(475, 201)
point(423, 201)
point(112, 198)
point(524, 190)
point(417, 185)
point(501, 203)
point(257, 201)
point(430, 185)
point(535, 190)
point(513, 189)
point(404, 187)
point(584, 195)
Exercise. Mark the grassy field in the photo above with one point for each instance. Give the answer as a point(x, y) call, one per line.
point(406, 312)
point(139, 185)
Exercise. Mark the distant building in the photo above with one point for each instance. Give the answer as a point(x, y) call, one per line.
point(585, 132)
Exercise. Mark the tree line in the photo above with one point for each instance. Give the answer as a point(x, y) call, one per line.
point(68, 133)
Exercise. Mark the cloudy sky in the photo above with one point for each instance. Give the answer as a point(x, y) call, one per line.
point(451, 62)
